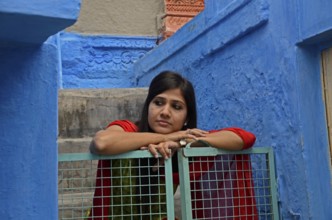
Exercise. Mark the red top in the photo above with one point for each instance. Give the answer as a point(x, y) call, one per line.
point(232, 194)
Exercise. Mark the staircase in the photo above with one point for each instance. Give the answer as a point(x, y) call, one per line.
point(82, 112)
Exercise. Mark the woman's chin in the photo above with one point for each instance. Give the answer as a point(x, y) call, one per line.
point(163, 130)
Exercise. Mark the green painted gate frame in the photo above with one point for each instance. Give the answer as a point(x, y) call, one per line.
point(183, 159)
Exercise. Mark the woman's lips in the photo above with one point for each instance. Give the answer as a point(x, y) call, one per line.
point(163, 123)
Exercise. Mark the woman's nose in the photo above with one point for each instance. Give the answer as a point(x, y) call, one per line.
point(166, 111)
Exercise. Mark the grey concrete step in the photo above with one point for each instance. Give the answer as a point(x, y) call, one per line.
point(74, 145)
point(85, 111)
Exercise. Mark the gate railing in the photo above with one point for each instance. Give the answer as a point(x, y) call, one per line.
point(215, 184)
point(225, 190)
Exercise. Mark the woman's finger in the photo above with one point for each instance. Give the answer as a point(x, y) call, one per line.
point(153, 150)
point(197, 132)
point(163, 153)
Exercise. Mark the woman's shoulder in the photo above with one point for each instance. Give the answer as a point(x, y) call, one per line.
point(126, 125)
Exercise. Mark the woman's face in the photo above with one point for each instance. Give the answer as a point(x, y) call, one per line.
point(167, 112)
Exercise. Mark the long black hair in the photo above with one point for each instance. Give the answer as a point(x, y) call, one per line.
point(164, 81)
point(148, 181)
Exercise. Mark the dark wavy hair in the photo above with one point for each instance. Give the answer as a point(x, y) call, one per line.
point(148, 181)
point(164, 81)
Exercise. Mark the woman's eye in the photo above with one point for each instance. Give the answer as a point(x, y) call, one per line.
point(158, 102)
point(177, 107)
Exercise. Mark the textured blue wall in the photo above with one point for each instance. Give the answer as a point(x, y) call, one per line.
point(315, 34)
point(256, 64)
point(34, 21)
point(28, 132)
point(315, 21)
point(100, 61)
point(29, 69)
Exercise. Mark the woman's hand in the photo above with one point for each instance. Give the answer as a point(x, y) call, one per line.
point(197, 132)
point(194, 133)
point(166, 149)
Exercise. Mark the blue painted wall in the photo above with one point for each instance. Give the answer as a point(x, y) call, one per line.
point(29, 69)
point(100, 61)
point(36, 20)
point(28, 132)
point(256, 64)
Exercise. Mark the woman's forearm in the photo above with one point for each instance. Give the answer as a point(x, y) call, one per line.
point(227, 140)
point(116, 142)
point(232, 138)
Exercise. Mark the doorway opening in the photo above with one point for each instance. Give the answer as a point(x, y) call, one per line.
point(327, 91)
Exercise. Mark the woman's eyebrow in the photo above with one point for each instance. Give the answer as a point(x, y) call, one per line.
point(179, 101)
point(159, 97)
point(172, 100)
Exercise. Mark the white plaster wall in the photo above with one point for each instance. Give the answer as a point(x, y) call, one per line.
point(120, 17)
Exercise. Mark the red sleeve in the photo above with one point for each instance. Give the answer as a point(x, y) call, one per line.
point(126, 125)
point(247, 137)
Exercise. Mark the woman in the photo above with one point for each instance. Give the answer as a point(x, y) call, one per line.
point(168, 120)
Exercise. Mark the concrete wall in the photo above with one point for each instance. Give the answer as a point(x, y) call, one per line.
point(256, 64)
point(120, 17)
